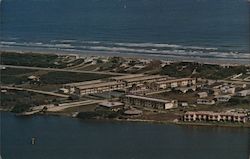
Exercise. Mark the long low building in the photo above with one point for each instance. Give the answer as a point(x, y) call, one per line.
point(124, 82)
point(182, 82)
point(139, 101)
point(99, 88)
point(213, 116)
point(83, 83)
point(145, 79)
point(71, 86)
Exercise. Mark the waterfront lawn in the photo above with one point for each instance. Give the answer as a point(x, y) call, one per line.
point(85, 108)
point(20, 101)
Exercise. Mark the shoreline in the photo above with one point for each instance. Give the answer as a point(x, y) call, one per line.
point(181, 123)
point(174, 58)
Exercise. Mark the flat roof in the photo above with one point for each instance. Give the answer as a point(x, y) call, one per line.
point(83, 83)
point(103, 84)
point(127, 76)
point(147, 98)
point(175, 80)
point(147, 77)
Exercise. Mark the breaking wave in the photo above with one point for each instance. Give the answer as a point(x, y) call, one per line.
point(156, 49)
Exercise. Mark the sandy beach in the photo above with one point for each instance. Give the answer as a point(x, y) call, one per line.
point(229, 61)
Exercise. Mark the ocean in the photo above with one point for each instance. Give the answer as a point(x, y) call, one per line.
point(66, 138)
point(158, 28)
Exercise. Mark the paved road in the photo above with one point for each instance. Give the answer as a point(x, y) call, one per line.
point(36, 91)
point(62, 70)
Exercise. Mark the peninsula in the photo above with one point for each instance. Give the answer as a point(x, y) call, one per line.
point(125, 89)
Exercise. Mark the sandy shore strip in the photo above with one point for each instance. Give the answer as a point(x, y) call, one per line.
point(82, 53)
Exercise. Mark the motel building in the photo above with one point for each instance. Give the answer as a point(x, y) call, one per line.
point(71, 87)
point(139, 101)
point(144, 79)
point(183, 82)
point(98, 88)
point(127, 81)
point(213, 116)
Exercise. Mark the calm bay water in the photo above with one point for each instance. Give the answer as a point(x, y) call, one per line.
point(198, 28)
point(66, 138)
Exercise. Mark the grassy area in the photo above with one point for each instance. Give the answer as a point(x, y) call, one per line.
point(216, 72)
point(113, 62)
point(20, 101)
point(237, 102)
point(189, 97)
point(85, 108)
point(15, 76)
point(29, 59)
point(69, 77)
point(19, 76)
point(187, 69)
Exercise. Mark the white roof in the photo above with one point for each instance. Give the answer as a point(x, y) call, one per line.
point(111, 104)
point(83, 83)
point(103, 84)
point(32, 77)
